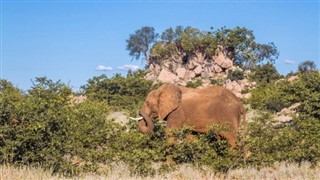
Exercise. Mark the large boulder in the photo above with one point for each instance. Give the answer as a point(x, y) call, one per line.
point(207, 71)
point(244, 83)
point(193, 64)
point(118, 117)
point(167, 76)
point(286, 114)
point(284, 118)
point(189, 75)
point(181, 73)
point(217, 68)
point(151, 76)
point(223, 61)
point(233, 86)
point(200, 57)
point(77, 99)
point(293, 78)
point(198, 70)
point(155, 68)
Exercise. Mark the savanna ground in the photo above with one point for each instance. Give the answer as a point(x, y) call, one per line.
point(44, 135)
point(121, 171)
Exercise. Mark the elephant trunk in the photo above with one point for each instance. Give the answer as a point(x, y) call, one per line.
point(145, 125)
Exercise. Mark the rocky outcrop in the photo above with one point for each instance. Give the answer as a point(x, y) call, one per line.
point(237, 87)
point(293, 78)
point(286, 114)
point(118, 117)
point(182, 68)
point(167, 76)
point(74, 100)
point(223, 61)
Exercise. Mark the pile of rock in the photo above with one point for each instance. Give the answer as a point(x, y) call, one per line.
point(286, 114)
point(238, 86)
point(178, 70)
point(77, 99)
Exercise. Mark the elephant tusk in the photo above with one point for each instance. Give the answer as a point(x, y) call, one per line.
point(136, 119)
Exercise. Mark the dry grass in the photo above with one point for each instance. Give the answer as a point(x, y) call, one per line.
point(120, 171)
point(24, 172)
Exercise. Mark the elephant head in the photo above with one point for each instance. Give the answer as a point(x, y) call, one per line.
point(158, 104)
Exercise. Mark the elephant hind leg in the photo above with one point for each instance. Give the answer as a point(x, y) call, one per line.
point(231, 139)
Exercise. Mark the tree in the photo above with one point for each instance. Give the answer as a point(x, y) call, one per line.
point(238, 44)
point(265, 73)
point(139, 42)
point(247, 53)
point(306, 66)
point(170, 35)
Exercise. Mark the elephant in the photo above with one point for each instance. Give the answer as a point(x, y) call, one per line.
point(196, 108)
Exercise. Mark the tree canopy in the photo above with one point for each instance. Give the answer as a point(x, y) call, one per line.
point(306, 66)
point(139, 42)
point(238, 43)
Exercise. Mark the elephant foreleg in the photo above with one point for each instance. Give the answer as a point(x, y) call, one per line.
point(171, 140)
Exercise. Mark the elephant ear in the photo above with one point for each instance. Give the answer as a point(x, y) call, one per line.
point(169, 99)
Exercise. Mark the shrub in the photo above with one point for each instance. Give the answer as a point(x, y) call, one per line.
point(217, 82)
point(297, 142)
point(236, 75)
point(121, 93)
point(38, 130)
point(265, 73)
point(194, 84)
point(306, 66)
point(49, 131)
point(284, 93)
point(274, 105)
point(162, 51)
point(10, 99)
point(43, 127)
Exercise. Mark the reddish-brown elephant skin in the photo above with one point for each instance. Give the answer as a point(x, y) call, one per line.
point(198, 109)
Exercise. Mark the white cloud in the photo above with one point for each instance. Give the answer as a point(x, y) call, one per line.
point(104, 68)
point(129, 67)
point(289, 62)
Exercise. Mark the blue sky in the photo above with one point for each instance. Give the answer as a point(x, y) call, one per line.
point(76, 40)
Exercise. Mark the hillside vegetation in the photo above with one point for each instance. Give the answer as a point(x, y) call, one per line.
point(45, 127)
point(42, 127)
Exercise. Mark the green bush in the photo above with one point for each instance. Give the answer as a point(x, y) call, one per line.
point(281, 94)
point(217, 82)
point(265, 73)
point(236, 75)
point(43, 127)
point(194, 84)
point(299, 141)
point(77, 138)
point(274, 105)
point(120, 93)
point(271, 142)
point(162, 51)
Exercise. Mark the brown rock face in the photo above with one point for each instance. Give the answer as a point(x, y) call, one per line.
point(181, 72)
point(223, 61)
point(198, 70)
point(217, 69)
point(181, 68)
point(167, 76)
